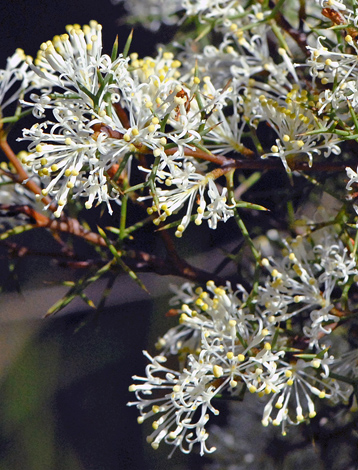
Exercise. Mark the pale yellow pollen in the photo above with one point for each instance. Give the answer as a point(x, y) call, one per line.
point(217, 371)
point(316, 363)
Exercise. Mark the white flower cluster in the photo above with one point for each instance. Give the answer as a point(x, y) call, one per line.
point(227, 344)
point(96, 112)
point(151, 13)
point(336, 70)
point(109, 109)
point(302, 283)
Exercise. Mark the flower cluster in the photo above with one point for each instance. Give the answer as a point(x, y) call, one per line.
point(98, 121)
point(227, 344)
point(98, 111)
point(182, 135)
point(302, 283)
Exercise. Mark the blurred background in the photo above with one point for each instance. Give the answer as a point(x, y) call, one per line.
point(64, 379)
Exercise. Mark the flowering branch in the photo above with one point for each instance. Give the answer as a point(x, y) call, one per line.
point(164, 142)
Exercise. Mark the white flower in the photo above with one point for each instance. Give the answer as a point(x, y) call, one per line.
point(182, 411)
point(293, 122)
point(353, 177)
point(71, 61)
point(299, 386)
point(304, 281)
point(14, 80)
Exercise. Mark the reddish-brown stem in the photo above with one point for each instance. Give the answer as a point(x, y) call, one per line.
point(21, 173)
point(138, 260)
point(210, 157)
point(263, 163)
point(67, 225)
point(123, 117)
point(298, 36)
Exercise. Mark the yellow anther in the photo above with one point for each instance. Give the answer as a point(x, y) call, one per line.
point(217, 371)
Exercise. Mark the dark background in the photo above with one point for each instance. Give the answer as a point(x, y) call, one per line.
point(64, 384)
point(64, 381)
point(28, 23)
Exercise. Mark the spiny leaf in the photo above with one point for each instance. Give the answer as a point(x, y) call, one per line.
point(118, 257)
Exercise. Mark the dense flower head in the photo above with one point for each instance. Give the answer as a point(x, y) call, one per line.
point(295, 123)
point(105, 110)
point(247, 90)
point(303, 282)
point(226, 348)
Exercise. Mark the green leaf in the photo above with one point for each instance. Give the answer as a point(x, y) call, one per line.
point(118, 257)
point(128, 44)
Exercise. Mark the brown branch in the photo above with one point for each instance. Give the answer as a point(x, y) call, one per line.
point(276, 164)
point(137, 260)
point(21, 173)
point(66, 225)
point(210, 157)
point(298, 36)
point(141, 261)
point(263, 163)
